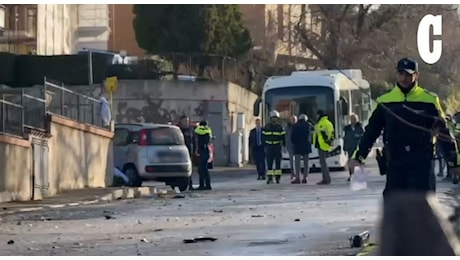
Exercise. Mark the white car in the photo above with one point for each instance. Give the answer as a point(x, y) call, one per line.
point(155, 152)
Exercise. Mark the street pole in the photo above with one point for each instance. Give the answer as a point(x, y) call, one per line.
point(90, 67)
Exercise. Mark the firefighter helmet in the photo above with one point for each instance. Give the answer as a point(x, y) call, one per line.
point(274, 113)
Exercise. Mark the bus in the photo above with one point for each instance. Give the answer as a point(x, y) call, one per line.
point(337, 93)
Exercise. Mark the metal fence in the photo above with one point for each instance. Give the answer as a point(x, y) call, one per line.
point(28, 107)
point(67, 103)
point(22, 108)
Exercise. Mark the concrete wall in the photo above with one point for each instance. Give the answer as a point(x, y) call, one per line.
point(15, 169)
point(78, 157)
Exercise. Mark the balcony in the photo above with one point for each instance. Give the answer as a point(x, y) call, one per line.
point(18, 37)
point(93, 20)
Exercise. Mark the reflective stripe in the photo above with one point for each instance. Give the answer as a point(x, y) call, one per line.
point(274, 133)
point(272, 142)
point(202, 130)
point(278, 172)
point(271, 172)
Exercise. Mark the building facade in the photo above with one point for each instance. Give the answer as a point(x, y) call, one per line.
point(122, 36)
point(272, 28)
point(53, 29)
point(19, 28)
point(92, 28)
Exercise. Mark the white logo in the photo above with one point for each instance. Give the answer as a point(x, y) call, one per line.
point(423, 38)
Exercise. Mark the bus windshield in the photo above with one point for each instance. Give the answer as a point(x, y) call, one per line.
point(300, 100)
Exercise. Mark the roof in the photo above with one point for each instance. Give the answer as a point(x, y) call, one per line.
point(331, 79)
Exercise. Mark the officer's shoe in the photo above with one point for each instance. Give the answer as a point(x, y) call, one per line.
point(278, 179)
point(208, 188)
point(201, 188)
point(269, 180)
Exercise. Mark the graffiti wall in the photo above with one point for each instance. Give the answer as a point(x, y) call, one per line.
point(151, 101)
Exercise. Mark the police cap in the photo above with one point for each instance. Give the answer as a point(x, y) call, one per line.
point(203, 123)
point(408, 65)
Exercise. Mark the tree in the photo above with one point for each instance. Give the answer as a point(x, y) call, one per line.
point(347, 33)
point(373, 37)
point(211, 29)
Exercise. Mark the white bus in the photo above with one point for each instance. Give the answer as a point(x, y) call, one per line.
point(305, 92)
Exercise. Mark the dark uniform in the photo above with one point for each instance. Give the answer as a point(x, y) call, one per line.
point(409, 151)
point(274, 139)
point(203, 139)
point(188, 134)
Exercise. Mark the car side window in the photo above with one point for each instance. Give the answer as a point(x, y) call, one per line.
point(121, 137)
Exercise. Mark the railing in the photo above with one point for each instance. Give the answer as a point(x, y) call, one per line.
point(65, 102)
point(22, 108)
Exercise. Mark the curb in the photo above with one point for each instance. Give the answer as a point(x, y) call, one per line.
point(118, 194)
point(368, 250)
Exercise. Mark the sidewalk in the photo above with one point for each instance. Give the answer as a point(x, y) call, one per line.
point(79, 197)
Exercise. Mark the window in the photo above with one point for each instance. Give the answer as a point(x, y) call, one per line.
point(121, 137)
point(165, 136)
point(31, 21)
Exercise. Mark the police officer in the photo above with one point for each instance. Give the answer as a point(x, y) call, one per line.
point(408, 115)
point(323, 138)
point(274, 139)
point(203, 139)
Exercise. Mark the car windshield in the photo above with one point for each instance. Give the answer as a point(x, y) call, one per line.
point(165, 136)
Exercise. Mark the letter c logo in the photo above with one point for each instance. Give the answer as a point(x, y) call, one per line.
point(423, 38)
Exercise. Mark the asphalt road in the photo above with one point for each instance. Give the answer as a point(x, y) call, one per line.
point(246, 216)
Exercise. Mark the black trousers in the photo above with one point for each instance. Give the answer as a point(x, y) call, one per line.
point(203, 171)
point(259, 159)
point(273, 154)
point(415, 173)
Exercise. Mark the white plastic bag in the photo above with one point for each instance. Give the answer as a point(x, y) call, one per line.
point(106, 114)
point(358, 180)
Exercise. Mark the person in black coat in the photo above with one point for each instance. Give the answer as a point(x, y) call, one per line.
point(301, 139)
point(256, 146)
point(189, 139)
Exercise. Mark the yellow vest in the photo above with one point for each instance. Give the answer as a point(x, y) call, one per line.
point(323, 125)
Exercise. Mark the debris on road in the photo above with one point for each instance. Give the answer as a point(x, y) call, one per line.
point(199, 239)
point(144, 240)
point(109, 217)
point(268, 242)
point(257, 216)
point(360, 239)
point(179, 196)
point(218, 211)
point(297, 219)
point(10, 242)
point(158, 230)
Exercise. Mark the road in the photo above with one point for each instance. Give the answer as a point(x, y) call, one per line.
point(246, 216)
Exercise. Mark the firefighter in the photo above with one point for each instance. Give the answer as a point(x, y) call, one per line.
point(274, 139)
point(408, 134)
point(203, 138)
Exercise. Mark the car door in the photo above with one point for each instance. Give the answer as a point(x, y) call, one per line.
point(121, 147)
